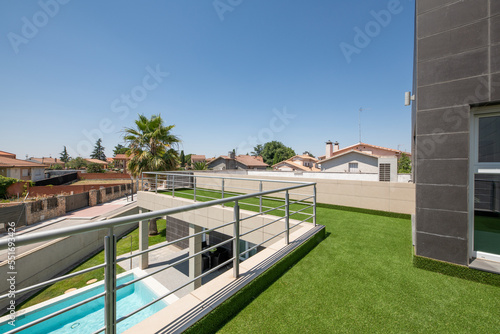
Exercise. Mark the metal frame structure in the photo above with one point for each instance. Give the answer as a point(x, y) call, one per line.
point(169, 180)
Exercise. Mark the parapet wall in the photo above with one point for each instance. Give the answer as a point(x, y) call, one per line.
point(383, 196)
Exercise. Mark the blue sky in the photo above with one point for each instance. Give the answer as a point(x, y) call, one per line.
point(228, 73)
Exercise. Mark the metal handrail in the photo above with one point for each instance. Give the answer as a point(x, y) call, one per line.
point(228, 178)
point(113, 222)
point(110, 242)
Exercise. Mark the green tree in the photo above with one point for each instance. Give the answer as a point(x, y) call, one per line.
point(56, 167)
point(77, 163)
point(200, 165)
point(404, 164)
point(64, 155)
point(5, 182)
point(94, 168)
point(98, 152)
point(119, 149)
point(282, 153)
point(151, 148)
point(257, 150)
point(182, 159)
point(276, 151)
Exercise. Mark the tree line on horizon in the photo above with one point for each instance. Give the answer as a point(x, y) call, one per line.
point(153, 147)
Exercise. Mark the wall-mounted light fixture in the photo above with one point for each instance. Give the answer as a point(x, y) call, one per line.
point(409, 98)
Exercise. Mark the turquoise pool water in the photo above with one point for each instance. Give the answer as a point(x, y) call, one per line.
point(90, 317)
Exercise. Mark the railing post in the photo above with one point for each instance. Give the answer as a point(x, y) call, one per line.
point(142, 182)
point(314, 205)
point(260, 197)
point(156, 183)
point(222, 190)
point(236, 241)
point(194, 187)
point(287, 218)
point(173, 185)
point(110, 283)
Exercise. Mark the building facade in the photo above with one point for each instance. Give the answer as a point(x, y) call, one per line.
point(456, 130)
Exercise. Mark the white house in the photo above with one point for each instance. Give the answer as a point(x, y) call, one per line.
point(363, 159)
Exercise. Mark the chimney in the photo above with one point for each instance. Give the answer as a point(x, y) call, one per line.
point(329, 149)
point(232, 154)
point(336, 146)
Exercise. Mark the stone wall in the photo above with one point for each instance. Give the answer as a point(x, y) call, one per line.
point(45, 209)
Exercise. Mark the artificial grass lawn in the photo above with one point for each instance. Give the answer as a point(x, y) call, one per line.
point(251, 204)
point(361, 278)
point(122, 247)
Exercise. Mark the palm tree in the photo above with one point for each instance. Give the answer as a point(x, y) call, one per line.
point(200, 165)
point(151, 147)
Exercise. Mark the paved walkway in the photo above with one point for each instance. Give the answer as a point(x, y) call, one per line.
point(73, 218)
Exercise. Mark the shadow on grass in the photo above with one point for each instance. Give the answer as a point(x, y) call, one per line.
point(454, 270)
point(216, 319)
point(365, 211)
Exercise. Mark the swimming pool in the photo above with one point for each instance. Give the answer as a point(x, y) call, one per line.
point(90, 316)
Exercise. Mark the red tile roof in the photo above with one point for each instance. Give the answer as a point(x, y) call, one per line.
point(369, 145)
point(303, 156)
point(96, 161)
point(48, 161)
point(7, 154)
point(121, 157)
point(250, 161)
point(355, 147)
point(297, 166)
point(247, 160)
point(196, 158)
point(10, 163)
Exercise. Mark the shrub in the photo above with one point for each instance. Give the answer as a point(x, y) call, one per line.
point(94, 168)
point(5, 182)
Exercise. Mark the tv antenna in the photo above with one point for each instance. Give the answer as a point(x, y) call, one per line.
point(359, 120)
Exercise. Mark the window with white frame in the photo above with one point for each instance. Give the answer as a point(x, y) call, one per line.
point(484, 178)
point(353, 167)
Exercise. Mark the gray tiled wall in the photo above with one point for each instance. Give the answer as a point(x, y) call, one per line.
point(457, 65)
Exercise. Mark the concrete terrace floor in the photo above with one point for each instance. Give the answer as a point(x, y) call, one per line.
point(173, 277)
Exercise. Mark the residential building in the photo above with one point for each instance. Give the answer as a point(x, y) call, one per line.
point(103, 164)
point(302, 162)
point(197, 158)
point(456, 132)
point(121, 161)
point(361, 158)
point(48, 162)
point(20, 169)
point(7, 155)
point(232, 161)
